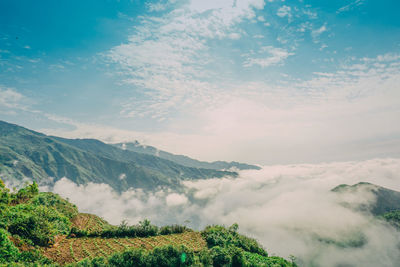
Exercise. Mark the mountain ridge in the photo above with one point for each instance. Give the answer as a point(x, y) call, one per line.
point(27, 153)
point(184, 160)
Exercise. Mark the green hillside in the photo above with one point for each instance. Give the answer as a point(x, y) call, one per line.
point(184, 160)
point(26, 153)
point(42, 229)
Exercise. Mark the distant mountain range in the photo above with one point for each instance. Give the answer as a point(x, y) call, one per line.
point(26, 153)
point(184, 160)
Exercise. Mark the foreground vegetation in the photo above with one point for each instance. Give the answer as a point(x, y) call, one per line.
point(42, 229)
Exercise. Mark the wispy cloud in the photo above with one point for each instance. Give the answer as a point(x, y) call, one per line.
point(166, 59)
point(284, 11)
point(158, 6)
point(317, 32)
point(11, 101)
point(276, 57)
point(350, 6)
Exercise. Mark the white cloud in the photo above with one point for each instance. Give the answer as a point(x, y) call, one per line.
point(242, 5)
point(284, 11)
point(317, 32)
point(166, 57)
point(12, 101)
point(288, 208)
point(175, 199)
point(276, 56)
point(9, 98)
point(258, 36)
point(260, 18)
point(156, 7)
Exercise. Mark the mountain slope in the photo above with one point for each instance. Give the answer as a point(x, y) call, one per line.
point(26, 153)
point(184, 160)
point(381, 200)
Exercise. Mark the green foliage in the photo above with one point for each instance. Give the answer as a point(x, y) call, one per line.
point(95, 262)
point(256, 260)
point(220, 256)
point(393, 217)
point(165, 256)
point(29, 216)
point(8, 251)
point(171, 256)
point(24, 194)
point(5, 197)
point(229, 248)
point(173, 229)
point(55, 201)
point(143, 229)
point(38, 224)
point(217, 235)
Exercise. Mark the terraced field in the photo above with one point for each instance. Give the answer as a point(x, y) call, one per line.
point(90, 223)
point(68, 250)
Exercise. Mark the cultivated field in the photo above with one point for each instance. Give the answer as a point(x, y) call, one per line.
point(90, 223)
point(68, 250)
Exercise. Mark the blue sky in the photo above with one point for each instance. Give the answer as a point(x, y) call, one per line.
point(262, 81)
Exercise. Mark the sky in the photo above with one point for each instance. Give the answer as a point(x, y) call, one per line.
point(259, 81)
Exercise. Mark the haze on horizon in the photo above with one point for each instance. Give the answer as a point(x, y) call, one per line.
point(258, 81)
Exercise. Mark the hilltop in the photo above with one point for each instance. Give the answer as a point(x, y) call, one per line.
point(43, 229)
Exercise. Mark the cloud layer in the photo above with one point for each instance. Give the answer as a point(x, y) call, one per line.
point(289, 208)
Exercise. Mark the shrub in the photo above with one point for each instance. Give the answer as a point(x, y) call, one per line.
point(220, 256)
point(220, 236)
point(8, 251)
point(25, 194)
point(169, 256)
point(129, 258)
point(56, 202)
point(39, 224)
point(5, 197)
point(173, 229)
point(253, 259)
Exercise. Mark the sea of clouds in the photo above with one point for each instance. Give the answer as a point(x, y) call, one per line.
point(290, 209)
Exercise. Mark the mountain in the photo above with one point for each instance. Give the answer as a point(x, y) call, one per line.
point(184, 160)
point(383, 200)
point(26, 153)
